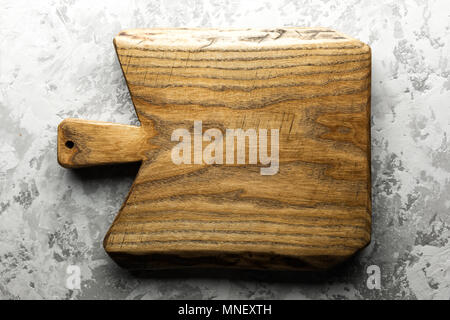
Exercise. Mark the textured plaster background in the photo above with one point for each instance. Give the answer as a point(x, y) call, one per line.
point(57, 60)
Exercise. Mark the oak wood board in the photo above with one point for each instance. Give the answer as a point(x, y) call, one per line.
point(311, 84)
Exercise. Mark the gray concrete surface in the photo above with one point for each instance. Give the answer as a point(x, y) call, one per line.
point(57, 60)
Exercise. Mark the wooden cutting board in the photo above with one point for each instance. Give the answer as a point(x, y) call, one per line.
point(306, 89)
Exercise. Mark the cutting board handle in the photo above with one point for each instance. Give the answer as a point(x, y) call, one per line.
point(83, 143)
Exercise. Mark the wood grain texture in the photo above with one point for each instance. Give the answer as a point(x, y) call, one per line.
point(83, 143)
point(312, 84)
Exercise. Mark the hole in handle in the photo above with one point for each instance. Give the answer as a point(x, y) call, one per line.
point(69, 144)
